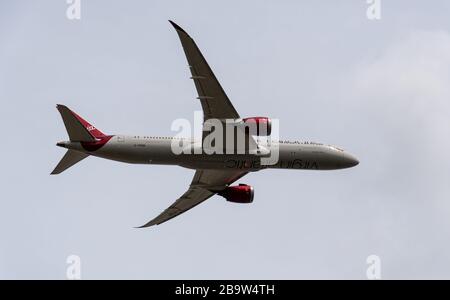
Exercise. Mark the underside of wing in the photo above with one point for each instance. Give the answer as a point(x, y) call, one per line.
point(216, 180)
point(215, 102)
point(205, 184)
point(191, 198)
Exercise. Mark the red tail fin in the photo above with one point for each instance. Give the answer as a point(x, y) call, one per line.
point(77, 127)
point(90, 128)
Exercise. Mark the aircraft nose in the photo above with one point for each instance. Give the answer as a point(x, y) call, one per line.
point(349, 160)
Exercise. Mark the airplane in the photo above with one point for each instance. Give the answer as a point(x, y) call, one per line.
point(214, 173)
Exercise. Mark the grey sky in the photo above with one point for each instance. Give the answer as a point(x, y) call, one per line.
point(379, 89)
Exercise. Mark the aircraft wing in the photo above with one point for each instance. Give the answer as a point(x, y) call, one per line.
point(215, 102)
point(205, 184)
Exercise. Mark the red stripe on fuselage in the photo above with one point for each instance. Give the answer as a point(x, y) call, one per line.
point(93, 146)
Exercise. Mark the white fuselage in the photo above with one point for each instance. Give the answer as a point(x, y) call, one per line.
point(158, 150)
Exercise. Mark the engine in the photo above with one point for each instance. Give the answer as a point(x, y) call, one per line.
point(241, 193)
point(260, 126)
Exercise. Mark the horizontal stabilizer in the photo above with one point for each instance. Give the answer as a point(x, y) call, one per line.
point(69, 159)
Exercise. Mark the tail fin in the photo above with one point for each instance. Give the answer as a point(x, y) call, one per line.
point(79, 130)
point(69, 159)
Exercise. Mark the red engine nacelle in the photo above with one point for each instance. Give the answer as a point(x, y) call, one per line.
point(262, 125)
point(241, 193)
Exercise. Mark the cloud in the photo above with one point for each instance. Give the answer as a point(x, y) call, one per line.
point(400, 101)
point(409, 82)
